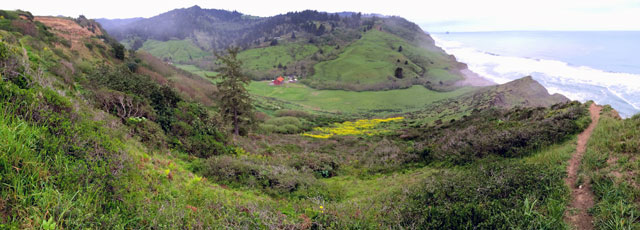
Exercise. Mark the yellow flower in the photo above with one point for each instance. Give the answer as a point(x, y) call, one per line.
point(321, 207)
point(359, 127)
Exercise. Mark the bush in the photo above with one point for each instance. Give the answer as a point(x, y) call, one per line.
point(322, 165)
point(284, 125)
point(242, 171)
point(195, 131)
point(149, 132)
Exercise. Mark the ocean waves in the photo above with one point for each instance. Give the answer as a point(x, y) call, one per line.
point(583, 83)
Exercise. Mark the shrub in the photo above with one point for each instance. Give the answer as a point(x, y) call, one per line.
point(123, 105)
point(195, 131)
point(284, 125)
point(242, 171)
point(321, 164)
point(149, 132)
point(293, 113)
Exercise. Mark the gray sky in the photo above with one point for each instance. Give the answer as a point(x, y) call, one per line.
point(434, 16)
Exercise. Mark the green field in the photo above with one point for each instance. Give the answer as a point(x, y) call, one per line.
point(416, 97)
point(195, 70)
point(374, 58)
point(267, 58)
point(175, 50)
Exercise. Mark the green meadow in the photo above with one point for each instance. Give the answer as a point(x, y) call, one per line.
point(415, 97)
point(195, 70)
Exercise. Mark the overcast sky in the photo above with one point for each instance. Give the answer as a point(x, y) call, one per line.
point(431, 15)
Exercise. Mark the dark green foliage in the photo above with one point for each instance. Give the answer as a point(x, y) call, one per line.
point(194, 131)
point(492, 195)
point(118, 51)
point(507, 133)
point(149, 132)
point(9, 15)
point(277, 180)
point(4, 52)
point(121, 79)
point(235, 102)
point(128, 95)
point(398, 73)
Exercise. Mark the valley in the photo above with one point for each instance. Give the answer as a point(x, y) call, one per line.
point(122, 124)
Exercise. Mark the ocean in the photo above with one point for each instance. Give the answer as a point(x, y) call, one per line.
point(602, 66)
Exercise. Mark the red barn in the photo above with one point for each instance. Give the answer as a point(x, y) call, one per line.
point(278, 81)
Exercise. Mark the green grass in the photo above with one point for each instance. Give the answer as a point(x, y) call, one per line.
point(195, 70)
point(612, 165)
point(176, 50)
point(416, 97)
point(374, 58)
point(268, 58)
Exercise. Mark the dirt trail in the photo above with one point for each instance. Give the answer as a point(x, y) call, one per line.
point(582, 196)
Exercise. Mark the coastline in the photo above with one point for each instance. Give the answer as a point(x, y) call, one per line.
point(473, 79)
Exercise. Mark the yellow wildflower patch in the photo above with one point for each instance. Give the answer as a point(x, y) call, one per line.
point(365, 127)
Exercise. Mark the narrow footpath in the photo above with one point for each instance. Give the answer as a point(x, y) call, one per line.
point(582, 197)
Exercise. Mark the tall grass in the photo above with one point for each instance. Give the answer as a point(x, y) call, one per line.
point(611, 163)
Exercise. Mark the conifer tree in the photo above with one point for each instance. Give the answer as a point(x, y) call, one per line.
point(235, 102)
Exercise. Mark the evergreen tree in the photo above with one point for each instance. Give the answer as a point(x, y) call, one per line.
point(398, 73)
point(321, 30)
point(235, 102)
point(118, 50)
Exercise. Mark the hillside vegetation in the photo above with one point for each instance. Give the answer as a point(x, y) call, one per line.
point(610, 165)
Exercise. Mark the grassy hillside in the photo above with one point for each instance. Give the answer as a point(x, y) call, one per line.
point(178, 51)
point(392, 101)
point(264, 59)
point(374, 58)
